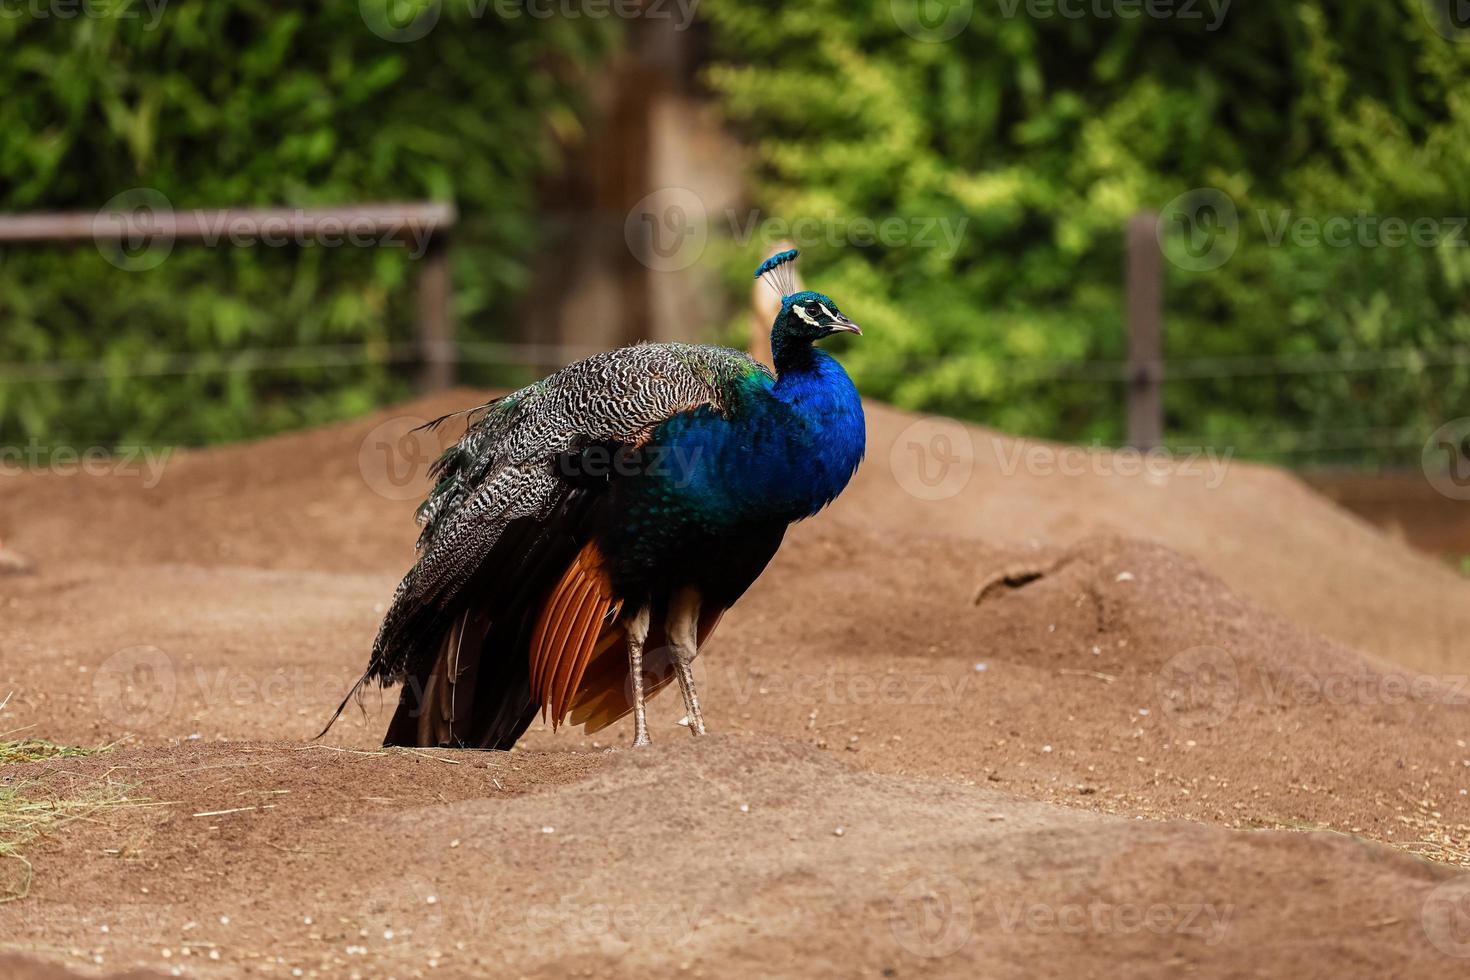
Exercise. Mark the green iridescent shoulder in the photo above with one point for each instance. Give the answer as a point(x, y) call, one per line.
point(739, 372)
point(751, 373)
point(717, 366)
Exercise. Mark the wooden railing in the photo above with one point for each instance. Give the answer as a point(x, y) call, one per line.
point(425, 225)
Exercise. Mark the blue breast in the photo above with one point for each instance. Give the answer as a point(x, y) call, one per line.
point(781, 452)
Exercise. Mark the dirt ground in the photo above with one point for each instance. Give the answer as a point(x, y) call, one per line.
point(1007, 710)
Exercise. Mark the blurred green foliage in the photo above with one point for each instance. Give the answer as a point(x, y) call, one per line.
point(1034, 138)
point(250, 102)
point(1048, 132)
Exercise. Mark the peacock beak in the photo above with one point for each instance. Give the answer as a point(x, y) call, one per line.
point(844, 325)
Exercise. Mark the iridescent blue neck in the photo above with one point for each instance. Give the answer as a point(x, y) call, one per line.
point(806, 373)
point(790, 353)
point(793, 354)
point(832, 437)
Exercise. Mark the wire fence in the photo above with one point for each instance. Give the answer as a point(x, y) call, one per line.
point(436, 347)
point(1265, 443)
point(1175, 369)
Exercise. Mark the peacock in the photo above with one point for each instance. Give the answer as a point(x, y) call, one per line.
point(584, 537)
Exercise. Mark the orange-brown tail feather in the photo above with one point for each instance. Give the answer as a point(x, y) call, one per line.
point(568, 644)
point(566, 635)
point(545, 648)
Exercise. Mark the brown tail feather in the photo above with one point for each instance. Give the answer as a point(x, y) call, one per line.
point(610, 635)
point(584, 640)
point(436, 719)
point(553, 612)
point(567, 642)
point(566, 635)
point(438, 708)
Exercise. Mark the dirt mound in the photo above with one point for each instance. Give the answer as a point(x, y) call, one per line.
point(299, 502)
point(930, 667)
point(689, 857)
point(1120, 676)
point(1261, 530)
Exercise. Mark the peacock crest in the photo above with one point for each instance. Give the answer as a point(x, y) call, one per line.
point(778, 272)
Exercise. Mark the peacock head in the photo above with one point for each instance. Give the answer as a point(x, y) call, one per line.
point(805, 315)
point(810, 316)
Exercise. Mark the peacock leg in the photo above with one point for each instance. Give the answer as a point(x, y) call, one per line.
point(637, 630)
point(682, 626)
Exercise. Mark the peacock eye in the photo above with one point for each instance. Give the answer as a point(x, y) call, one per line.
point(809, 313)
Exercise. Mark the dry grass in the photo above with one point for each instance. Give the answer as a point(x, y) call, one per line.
point(27, 814)
point(35, 749)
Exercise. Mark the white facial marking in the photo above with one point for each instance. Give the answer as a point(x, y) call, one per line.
point(801, 312)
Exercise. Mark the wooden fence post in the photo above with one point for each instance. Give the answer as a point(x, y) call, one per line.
point(436, 323)
point(1145, 333)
